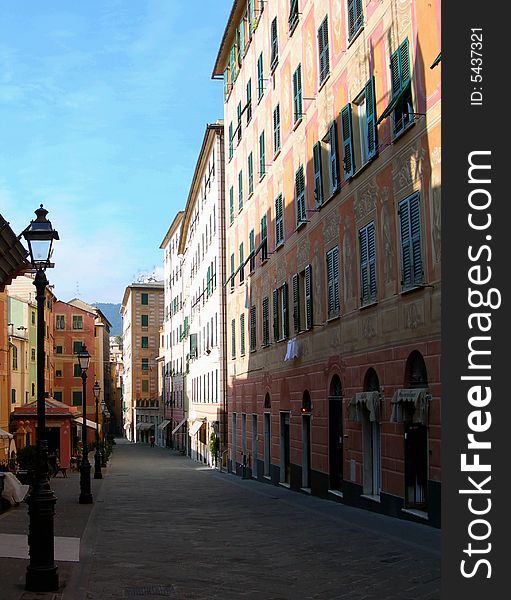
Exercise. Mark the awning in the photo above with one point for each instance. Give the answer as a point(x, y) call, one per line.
point(393, 103)
point(195, 427)
point(181, 423)
point(163, 424)
point(144, 426)
point(401, 405)
point(5, 434)
point(91, 424)
point(371, 401)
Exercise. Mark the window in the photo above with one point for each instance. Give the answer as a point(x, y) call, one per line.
point(324, 60)
point(293, 15)
point(274, 44)
point(242, 260)
point(145, 364)
point(145, 320)
point(77, 322)
point(77, 398)
point(249, 101)
point(302, 300)
point(77, 346)
point(347, 142)
point(242, 334)
point(301, 213)
point(276, 129)
point(33, 355)
point(332, 274)
point(412, 273)
point(253, 330)
point(58, 350)
point(144, 299)
point(232, 63)
point(280, 313)
point(33, 318)
point(367, 241)
point(401, 88)
point(57, 395)
point(60, 322)
point(238, 128)
point(355, 17)
point(13, 396)
point(364, 130)
point(250, 173)
point(77, 370)
point(240, 190)
point(58, 372)
point(232, 271)
point(145, 342)
point(233, 338)
point(251, 249)
point(231, 205)
point(318, 175)
point(333, 161)
point(297, 94)
point(279, 220)
point(266, 321)
point(145, 385)
point(262, 156)
point(260, 77)
point(230, 141)
point(264, 239)
point(227, 86)
point(241, 41)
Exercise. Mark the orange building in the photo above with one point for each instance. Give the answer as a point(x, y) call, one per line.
point(332, 118)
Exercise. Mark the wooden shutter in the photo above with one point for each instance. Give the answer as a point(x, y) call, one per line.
point(300, 196)
point(240, 190)
point(260, 77)
point(276, 129)
point(364, 266)
point(275, 315)
point(242, 334)
point(274, 43)
point(297, 93)
point(332, 259)
point(404, 63)
point(279, 220)
point(232, 271)
point(318, 176)
point(415, 237)
point(251, 248)
point(253, 330)
point(351, 18)
point(262, 155)
point(266, 324)
point(347, 142)
point(308, 297)
point(395, 73)
point(324, 61)
point(333, 154)
point(406, 250)
point(249, 100)
point(231, 204)
point(371, 258)
point(285, 310)
point(233, 338)
point(371, 118)
point(296, 302)
point(242, 260)
point(250, 173)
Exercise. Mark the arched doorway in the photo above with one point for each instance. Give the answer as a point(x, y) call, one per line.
point(371, 435)
point(306, 440)
point(416, 434)
point(335, 434)
point(267, 435)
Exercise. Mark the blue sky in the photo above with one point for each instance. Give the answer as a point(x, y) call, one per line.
point(103, 107)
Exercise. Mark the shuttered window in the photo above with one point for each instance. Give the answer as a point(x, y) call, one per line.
point(276, 319)
point(242, 260)
point(242, 334)
point(308, 297)
point(264, 238)
point(324, 60)
point(262, 155)
point(401, 87)
point(332, 272)
point(347, 142)
point(238, 128)
point(296, 302)
point(250, 173)
point(371, 119)
point(232, 272)
point(293, 14)
point(276, 129)
point(240, 190)
point(230, 141)
point(412, 272)
point(333, 155)
point(266, 320)
point(367, 242)
point(279, 220)
point(233, 338)
point(251, 249)
point(301, 214)
point(260, 77)
point(280, 313)
point(318, 175)
point(274, 44)
point(297, 94)
point(232, 63)
point(231, 205)
point(253, 329)
point(355, 17)
point(249, 101)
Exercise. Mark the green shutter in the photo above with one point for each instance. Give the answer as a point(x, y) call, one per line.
point(404, 63)
point(347, 142)
point(262, 155)
point(231, 205)
point(250, 173)
point(318, 176)
point(411, 241)
point(232, 271)
point(332, 260)
point(260, 76)
point(308, 297)
point(324, 61)
point(416, 242)
point(333, 153)
point(230, 141)
point(266, 323)
point(395, 73)
point(251, 249)
point(301, 215)
point(296, 302)
point(233, 338)
point(297, 93)
point(364, 266)
point(249, 101)
point(242, 260)
point(240, 190)
point(242, 334)
point(285, 310)
point(274, 43)
point(253, 330)
point(371, 118)
point(279, 220)
point(275, 315)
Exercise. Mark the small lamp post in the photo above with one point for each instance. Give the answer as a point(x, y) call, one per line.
point(42, 573)
point(97, 456)
point(85, 487)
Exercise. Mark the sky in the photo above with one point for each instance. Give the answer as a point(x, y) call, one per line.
point(103, 108)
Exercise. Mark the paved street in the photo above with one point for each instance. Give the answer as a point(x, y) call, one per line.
point(164, 526)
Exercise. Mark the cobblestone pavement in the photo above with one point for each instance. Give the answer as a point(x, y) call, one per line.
point(164, 526)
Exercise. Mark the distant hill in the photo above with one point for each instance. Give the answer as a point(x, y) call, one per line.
point(111, 312)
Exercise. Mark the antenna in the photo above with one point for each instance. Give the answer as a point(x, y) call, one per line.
point(77, 289)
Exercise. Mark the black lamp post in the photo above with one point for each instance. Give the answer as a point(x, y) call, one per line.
point(42, 572)
point(85, 489)
point(97, 456)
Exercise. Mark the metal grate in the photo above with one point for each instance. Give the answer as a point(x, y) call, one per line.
point(151, 590)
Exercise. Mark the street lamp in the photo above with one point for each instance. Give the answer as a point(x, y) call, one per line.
point(97, 456)
point(103, 449)
point(85, 489)
point(42, 573)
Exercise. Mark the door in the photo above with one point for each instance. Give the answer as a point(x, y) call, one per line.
point(254, 446)
point(285, 449)
point(306, 451)
point(267, 444)
point(376, 457)
point(416, 465)
point(335, 441)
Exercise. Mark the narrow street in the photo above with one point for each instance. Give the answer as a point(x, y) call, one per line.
point(164, 526)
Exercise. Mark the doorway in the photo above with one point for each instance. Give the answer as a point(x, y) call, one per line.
point(371, 437)
point(306, 440)
point(254, 446)
point(285, 449)
point(335, 435)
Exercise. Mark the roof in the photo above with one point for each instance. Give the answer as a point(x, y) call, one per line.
point(212, 129)
point(153, 285)
point(89, 308)
point(237, 10)
point(12, 255)
point(172, 229)
point(52, 407)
